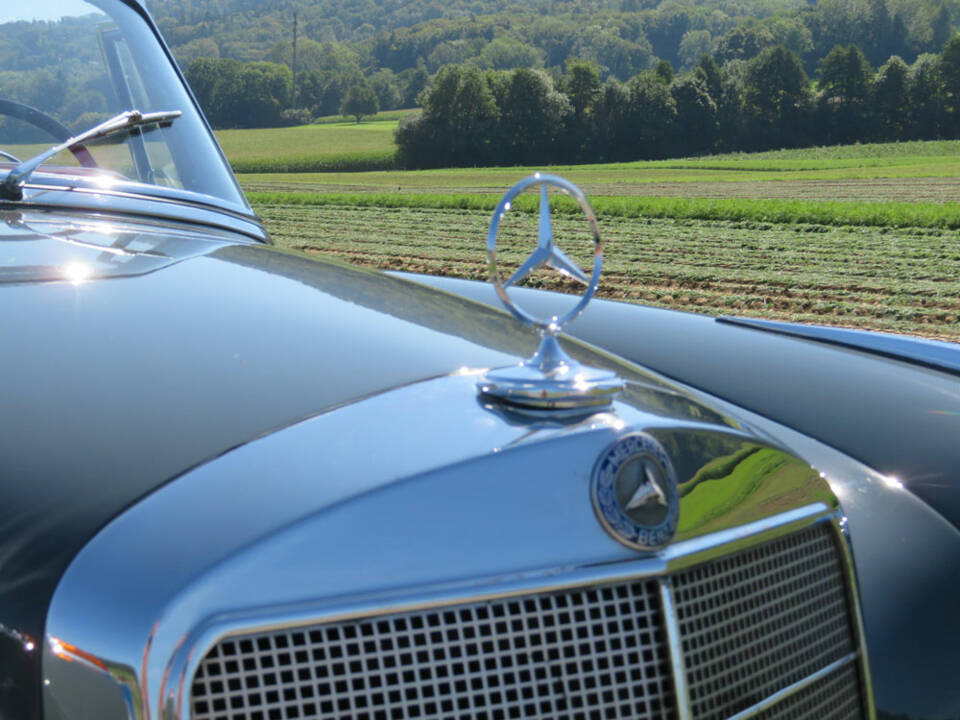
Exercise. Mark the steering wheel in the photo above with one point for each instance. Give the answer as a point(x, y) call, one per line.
point(40, 119)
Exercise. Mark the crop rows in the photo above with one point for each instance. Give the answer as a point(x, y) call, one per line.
point(780, 211)
point(900, 280)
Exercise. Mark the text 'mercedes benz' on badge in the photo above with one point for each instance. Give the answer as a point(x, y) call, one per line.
point(550, 381)
point(634, 490)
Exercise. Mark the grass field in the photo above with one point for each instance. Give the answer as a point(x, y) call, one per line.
point(333, 145)
point(864, 236)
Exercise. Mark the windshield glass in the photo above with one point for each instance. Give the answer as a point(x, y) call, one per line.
point(68, 65)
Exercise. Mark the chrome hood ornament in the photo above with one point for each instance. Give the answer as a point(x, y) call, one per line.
point(551, 380)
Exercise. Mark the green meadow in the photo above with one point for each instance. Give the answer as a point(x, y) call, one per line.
point(333, 145)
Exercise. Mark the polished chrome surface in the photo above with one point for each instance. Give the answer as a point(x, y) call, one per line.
point(760, 620)
point(797, 697)
point(550, 380)
point(672, 629)
point(274, 557)
point(57, 194)
point(614, 646)
point(547, 253)
point(569, 654)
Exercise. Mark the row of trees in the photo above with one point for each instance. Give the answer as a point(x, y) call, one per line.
point(622, 37)
point(263, 94)
point(474, 117)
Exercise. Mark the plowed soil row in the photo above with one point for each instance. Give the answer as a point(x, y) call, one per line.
point(884, 279)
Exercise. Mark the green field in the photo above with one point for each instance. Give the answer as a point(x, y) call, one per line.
point(332, 145)
point(864, 236)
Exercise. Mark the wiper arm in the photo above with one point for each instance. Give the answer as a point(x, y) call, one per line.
point(12, 187)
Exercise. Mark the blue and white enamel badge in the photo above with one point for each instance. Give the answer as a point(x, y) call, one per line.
point(634, 492)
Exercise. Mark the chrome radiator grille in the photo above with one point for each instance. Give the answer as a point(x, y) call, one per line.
point(584, 653)
point(750, 625)
point(835, 697)
point(756, 622)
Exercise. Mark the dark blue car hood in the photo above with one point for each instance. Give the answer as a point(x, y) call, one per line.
point(158, 362)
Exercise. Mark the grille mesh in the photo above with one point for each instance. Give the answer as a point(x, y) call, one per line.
point(750, 625)
point(583, 653)
point(755, 622)
point(835, 697)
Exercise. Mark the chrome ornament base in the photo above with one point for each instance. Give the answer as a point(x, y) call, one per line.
point(551, 380)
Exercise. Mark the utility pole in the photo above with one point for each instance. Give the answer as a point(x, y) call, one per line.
point(293, 99)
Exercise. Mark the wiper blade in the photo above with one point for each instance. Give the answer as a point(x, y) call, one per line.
point(12, 187)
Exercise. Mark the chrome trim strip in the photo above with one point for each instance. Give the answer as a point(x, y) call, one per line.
point(769, 702)
point(853, 595)
point(185, 663)
point(157, 208)
point(678, 666)
point(707, 547)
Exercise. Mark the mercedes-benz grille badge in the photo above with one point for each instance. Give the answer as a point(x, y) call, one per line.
point(551, 380)
point(634, 492)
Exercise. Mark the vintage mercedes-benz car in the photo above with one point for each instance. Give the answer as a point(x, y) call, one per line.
point(237, 482)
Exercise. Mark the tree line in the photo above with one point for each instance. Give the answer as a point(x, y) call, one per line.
point(482, 117)
point(621, 37)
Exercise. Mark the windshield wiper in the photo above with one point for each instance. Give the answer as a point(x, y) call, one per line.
point(12, 187)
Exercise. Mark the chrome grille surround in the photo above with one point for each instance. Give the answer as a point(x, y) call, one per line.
point(760, 620)
point(588, 652)
point(680, 671)
point(834, 697)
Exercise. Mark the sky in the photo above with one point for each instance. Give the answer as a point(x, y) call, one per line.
point(41, 9)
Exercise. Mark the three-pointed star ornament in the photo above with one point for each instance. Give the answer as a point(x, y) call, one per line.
point(551, 381)
point(648, 492)
point(547, 253)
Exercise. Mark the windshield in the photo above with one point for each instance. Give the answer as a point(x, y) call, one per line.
point(68, 65)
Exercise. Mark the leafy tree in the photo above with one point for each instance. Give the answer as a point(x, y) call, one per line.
point(776, 99)
point(744, 42)
point(696, 126)
point(412, 83)
point(334, 86)
point(310, 87)
point(582, 86)
point(693, 46)
point(360, 100)
point(664, 72)
point(925, 100)
point(708, 71)
point(664, 29)
point(203, 75)
point(457, 125)
point(505, 53)
point(950, 82)
point(845, 74)
point(612, 122)
point(532, 116)
point(264, 94)
point(730, 105)
point(845, 80)
point(942, 28)
point(791, 32)
point(613, 54)
point(888, 95)
point(652, 116)
point(384, 83)
point(456, 52)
